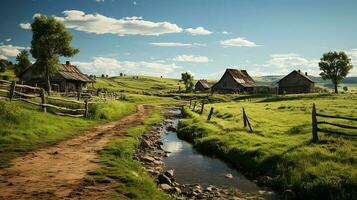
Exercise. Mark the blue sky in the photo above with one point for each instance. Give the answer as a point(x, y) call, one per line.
point(204, 37)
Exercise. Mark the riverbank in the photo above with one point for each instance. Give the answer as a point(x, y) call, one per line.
point(279, 153)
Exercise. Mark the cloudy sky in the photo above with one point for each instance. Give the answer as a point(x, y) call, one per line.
point(204, 37)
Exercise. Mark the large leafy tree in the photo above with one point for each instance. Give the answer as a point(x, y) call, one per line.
point(188, 81)
point(23, 62)
point(335, 67)
point(50, 40)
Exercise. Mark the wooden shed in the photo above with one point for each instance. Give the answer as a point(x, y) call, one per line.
point(202, 85)
point(68, 78)
point(234, 81)
point(296, 82)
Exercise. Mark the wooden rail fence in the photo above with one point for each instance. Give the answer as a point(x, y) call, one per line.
point(316, 129)
point(27, 93)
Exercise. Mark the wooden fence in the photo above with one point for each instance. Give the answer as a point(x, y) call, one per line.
point(193, 103)
point(316, 129)
point(27, 93)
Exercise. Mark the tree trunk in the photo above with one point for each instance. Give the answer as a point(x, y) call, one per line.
point(48, 83)
point(336, 90)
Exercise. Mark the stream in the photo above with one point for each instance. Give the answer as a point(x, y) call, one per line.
point(191, 167)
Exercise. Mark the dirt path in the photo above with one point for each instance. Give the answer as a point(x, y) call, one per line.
point(54, 172)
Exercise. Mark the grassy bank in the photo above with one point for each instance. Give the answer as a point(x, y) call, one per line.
point(23, 128)
point(119, 167)
point(280, 146)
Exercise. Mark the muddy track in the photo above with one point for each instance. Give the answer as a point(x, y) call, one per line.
point(55, 172)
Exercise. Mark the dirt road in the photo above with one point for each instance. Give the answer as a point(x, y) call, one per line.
point(56, 171)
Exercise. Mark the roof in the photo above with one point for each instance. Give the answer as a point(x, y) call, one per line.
point(300, 73)
point(71, 72)
point(241, 76)
point(204, 83)
point(68, 72)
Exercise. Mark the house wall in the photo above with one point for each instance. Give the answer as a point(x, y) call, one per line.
point(294, 84)
point(199, 87)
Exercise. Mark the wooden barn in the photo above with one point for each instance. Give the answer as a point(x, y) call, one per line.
point(68, 78)
point(202, 85)
point(234, 81)
point(296, 82)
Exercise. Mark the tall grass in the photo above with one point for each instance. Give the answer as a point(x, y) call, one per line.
point(280, 146)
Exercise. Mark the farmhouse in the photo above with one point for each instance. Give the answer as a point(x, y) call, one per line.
point(296, 82)
point(68, 78)
point(234, 81)
point(202, 85)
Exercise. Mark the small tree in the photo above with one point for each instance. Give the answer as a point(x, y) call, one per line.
point(23, 62)
point(188, 81)
point(50, 40)
point(345, 88)
point(2, 65)
point(335, 66)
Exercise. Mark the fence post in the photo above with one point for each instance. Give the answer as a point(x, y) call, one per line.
point(43, 100)
point(315, 137)
point(202, 106)
point(194, 106)
point(244, 118)
point(190, 103)
point(12, 89)
point(86, 108)
point(210, 114)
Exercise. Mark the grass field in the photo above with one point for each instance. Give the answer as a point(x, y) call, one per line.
point(119, 167)
point(24, 128)
point(280, 146)
point(144, 84)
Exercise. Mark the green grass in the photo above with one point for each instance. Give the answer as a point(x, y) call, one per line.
point(143, 85)
point(24, 128)
point(9, 74)
point(280, 146)
point(119, 167)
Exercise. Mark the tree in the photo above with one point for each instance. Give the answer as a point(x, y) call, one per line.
point(188, 81)
point(345, 88)
point(2, 65)
point(335, 66)
point(50, 40)
point(23, 62)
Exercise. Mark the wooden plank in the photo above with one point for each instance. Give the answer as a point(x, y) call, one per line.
point(5, 91)
point(5, 81)
point(31, 102)
point(336, 117)
point(26, 95)
point(12, 90)
point(66, 100)
point(64, 108)
point(28, 87)
point(69, 115)
point(338, 125)
point(210, 114)
point(336, 132)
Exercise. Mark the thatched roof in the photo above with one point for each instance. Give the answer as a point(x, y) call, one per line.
point(304, 75)
point(242, 77)
point(68, 72)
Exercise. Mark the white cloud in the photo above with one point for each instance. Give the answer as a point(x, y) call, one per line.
point(238, 42)
point(8, 39)
point(100, 24)
point(10, 50)
point(191, 58)
point(352, 53)
point(25, 25)
point(285, 63)
point(175, 44)
point(225, 32)
point(99, 1)
point(3, 57)
point(111, 66)
point(198, 31)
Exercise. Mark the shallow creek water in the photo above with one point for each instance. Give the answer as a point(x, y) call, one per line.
point(192, 167)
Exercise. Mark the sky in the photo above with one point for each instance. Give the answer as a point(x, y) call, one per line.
point(203, 37)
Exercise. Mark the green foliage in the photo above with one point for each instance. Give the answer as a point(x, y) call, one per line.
point(50, 40)
point(335, 66)
point(188, 81)
point(280, 145)
point(23, 62)
point(118, 165)
point(24, 128)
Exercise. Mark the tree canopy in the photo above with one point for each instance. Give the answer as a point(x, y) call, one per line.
point(335, 66)
point(50, 40)
point(188, 81)
point(23, 62)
